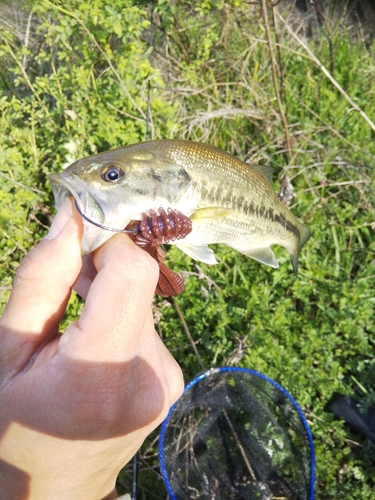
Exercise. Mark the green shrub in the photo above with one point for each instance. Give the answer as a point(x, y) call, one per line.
point(80, 87)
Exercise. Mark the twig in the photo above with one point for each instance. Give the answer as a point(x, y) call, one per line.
point(335, 184)
point(274, 77)
point(326, 72)
point(125, 113)
point(27, 34)
point(187, 331)
point(329, 127)
point(350, 441)
point(27, 79)
point(93, 39)
point(280, 62)
point(240, 447)
point(329, 34)
point(35, 190)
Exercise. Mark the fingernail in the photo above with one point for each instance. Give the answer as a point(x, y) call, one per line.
point(59, 222)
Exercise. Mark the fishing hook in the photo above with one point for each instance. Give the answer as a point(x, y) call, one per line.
point(104, 227)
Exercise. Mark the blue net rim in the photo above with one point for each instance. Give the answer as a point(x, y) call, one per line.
point(210, 372)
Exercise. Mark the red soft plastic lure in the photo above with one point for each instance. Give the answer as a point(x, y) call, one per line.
point(151, 232)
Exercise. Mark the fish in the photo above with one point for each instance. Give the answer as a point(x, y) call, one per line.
point(228, 201)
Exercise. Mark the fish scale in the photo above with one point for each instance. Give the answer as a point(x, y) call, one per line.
point(255, 217)
point(228, 200)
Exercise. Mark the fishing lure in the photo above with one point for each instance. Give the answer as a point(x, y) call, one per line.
point(150, 233)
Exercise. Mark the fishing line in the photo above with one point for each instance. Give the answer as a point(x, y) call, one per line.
point(114, 230)
point(148, 119)
point(134, 493)
point(151, 43)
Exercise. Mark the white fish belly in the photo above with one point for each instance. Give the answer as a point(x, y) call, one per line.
point(236, 233)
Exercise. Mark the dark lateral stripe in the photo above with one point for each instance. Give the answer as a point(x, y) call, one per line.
point(269, 214)
point(250, 208)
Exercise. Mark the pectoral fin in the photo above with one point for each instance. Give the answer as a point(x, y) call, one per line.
point(264, 255)
point(198, 252)
point(209, 214)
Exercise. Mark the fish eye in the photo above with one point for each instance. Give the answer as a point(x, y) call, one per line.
point(112, 173)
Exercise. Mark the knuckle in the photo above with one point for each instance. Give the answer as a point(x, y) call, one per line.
point(137, 267)
point(29, 270)
point(145, 266)
point(175, 383)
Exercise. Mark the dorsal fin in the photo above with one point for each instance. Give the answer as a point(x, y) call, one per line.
point(265, 171)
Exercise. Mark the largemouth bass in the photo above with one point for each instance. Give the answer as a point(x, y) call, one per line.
point(227, 200)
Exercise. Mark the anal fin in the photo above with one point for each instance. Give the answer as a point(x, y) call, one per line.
point(264, 255)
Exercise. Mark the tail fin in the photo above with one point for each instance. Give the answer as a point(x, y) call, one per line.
point(304, 236)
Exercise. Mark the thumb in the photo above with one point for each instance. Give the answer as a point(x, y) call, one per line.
point(42, 286)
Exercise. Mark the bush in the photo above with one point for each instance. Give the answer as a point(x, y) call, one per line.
point(79, 86)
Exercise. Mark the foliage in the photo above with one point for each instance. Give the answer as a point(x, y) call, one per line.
point(79, 85)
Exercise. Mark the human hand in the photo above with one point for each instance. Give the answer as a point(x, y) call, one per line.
point(74, 408)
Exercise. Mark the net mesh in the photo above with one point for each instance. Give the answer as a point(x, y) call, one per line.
point(235, 434)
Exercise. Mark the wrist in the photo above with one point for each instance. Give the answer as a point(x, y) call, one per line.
point(16, 483)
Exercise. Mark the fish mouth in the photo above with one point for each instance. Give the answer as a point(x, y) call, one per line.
point(86, 203)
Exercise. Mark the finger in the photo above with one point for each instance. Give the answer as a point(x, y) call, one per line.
point(43, 284)
point(117, 305)
point(172, 374)
point(86, 277)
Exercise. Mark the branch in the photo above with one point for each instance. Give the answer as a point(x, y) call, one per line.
point(274, 77)
point(23, 186)
point(93, 39)
point(187, 331)
point(326, 72)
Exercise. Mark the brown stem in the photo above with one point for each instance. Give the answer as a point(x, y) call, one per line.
point(274, 77)
point(187, 331)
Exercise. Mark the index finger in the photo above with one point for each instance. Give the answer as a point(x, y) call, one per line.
point(118, 303)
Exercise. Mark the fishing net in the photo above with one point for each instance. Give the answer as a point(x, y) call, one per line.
point(236, 434)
